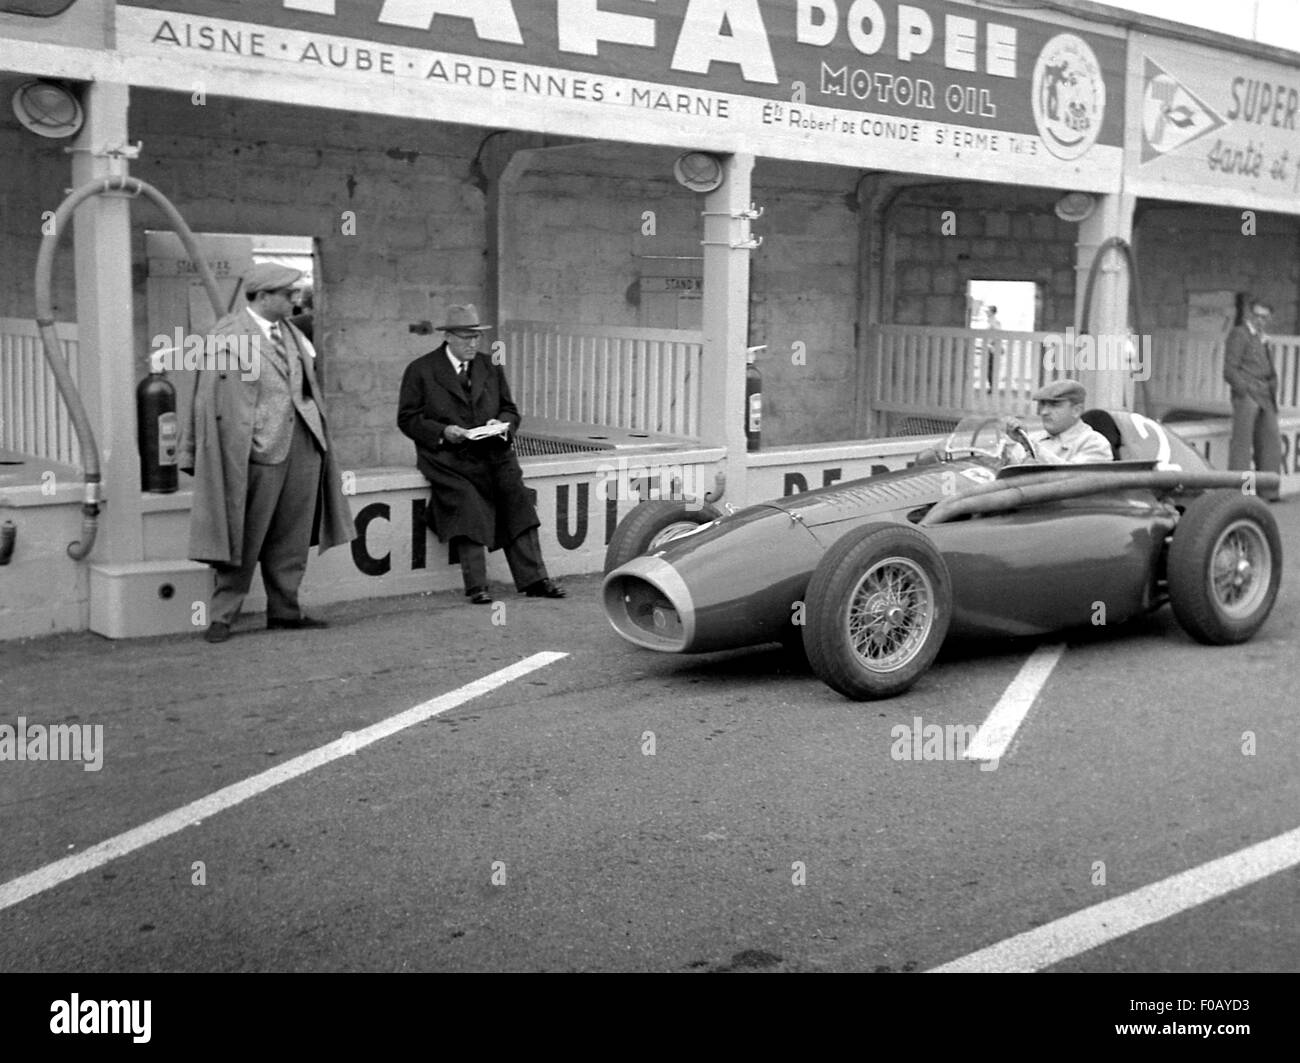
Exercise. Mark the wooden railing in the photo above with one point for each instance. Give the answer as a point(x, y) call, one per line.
point(33, 417)
point(1187, 372)
point(915, 373)
point(922, 372)
point(641, 379)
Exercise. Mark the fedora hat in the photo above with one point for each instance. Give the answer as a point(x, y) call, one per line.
point(463, 317)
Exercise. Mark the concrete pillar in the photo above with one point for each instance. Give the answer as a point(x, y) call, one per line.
point(102, 241)
point(726, 321)
point(1108, 316)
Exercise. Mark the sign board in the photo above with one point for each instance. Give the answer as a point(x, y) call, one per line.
point(933, 86)
point(1208, 126)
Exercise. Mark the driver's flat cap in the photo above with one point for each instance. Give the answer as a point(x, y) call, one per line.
point(1069, 390)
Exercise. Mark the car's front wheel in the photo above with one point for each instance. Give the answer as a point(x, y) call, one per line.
point(879, 606)
point(652, 524)
point(1225, 565)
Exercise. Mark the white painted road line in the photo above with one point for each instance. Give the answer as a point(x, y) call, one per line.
point(993, 738)
point(19, 889)
point(1059, 940)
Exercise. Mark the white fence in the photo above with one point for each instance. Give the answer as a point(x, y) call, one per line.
point(918, 373)
point(1187, 372)
point(923, 372)
point(33, 417)
point(642, 379)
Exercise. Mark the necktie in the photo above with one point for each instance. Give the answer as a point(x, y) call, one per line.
point(277, 345)
point(464, 376)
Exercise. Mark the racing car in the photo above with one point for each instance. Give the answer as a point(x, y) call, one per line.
point(868, 577)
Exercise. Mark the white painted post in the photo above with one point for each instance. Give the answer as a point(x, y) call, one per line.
point(102, 240)
point(726, 323)
point(1110, 294)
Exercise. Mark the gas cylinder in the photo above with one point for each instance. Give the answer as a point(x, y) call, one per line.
point(157, 430)
point(753, 398)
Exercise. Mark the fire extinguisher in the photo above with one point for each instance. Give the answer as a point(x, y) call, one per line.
point(157, 429)
point(753, 398)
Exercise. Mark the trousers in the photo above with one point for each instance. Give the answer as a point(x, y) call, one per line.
point(1254, 429)
point(278, 515)
point(523, 555)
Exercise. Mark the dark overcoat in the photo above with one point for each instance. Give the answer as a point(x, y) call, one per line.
point(216, 443)
point(478, 487)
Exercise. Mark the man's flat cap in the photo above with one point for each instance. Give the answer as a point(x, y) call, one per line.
point(1069, 390)
point(270, 277)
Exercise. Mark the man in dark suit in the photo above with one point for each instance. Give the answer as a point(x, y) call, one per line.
point(479, 500)
point(1248, 369)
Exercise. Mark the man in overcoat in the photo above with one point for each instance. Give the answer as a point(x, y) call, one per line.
point(266, 486)
point(479, 500)
point(1248, 368)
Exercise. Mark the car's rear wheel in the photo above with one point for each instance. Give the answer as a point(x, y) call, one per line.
point(652, 524)
point(878, 608)
point(1225, 565)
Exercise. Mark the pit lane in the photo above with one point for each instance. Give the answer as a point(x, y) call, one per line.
point(770, 829)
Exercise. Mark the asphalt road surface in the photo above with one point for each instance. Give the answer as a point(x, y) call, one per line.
point(614, 809)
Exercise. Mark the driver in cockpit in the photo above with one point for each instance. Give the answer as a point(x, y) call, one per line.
point(1065, 439)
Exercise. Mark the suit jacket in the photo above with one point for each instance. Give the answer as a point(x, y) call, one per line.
point(216, 443)
point(478, 487)
point(1247, 367)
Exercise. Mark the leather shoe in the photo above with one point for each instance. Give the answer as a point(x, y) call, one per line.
point(296, 623)
point(217, 632)
point(544, 588)
point(480, 596)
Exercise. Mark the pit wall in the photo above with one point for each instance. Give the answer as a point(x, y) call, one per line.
point(42, 591)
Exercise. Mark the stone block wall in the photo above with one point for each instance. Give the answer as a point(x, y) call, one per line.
point(412, 244)
point(578, 247)
point(35, 173)
point(1187, 249)
point(994, 233)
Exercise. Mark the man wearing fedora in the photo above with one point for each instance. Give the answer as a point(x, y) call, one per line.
point(1066, 439)
point(266, 487)
point(479, 499)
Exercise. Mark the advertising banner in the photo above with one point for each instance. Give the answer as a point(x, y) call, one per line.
point(1213, 127)
point(934, 86)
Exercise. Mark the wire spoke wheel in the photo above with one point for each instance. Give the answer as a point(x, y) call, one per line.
point(653, 525)
point(1225, 565)
point(879, 605)
point(1241, 569)
point(890, 614)
point(673, 531)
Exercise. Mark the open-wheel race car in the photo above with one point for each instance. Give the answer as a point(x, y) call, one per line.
point(870, 576)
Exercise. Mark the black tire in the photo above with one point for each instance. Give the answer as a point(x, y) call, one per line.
point(878, 609)
point(1225, 565)
point(650, 525)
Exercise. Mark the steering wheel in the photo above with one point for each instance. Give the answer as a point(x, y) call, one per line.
point(1018, 435)
point(1005, 436)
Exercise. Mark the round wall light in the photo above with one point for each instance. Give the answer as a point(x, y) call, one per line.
point(48, 109)
point(699, 171)
point(1075, 206)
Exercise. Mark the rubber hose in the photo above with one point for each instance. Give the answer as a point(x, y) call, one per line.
point(79, 550)
point(1135, 297)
